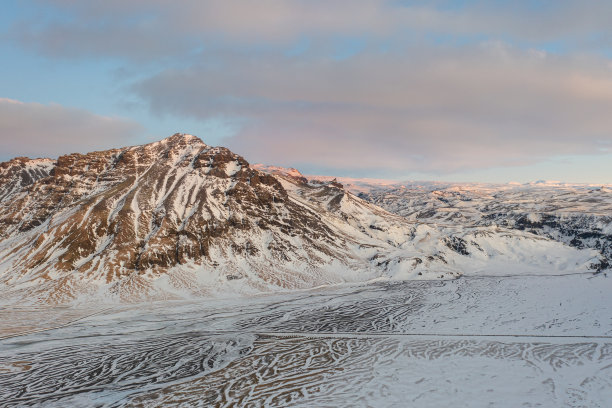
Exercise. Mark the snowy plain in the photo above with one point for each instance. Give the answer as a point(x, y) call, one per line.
point(475, 341)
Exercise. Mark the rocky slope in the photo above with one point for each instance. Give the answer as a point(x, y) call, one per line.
point(180, 218)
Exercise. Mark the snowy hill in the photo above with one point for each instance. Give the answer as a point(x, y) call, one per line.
point(577, 215)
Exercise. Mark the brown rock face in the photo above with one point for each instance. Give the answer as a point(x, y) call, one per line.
point(21, 172)
point(142, 210)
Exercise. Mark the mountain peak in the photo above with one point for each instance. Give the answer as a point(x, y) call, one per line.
point(182, 139)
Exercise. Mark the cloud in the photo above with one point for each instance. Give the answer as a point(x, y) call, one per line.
point(395, 85)
point(421, 110)
point(153, 29)
point(37, 130)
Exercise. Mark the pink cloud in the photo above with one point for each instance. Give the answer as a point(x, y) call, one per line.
point(421, 111)
point(35, 130)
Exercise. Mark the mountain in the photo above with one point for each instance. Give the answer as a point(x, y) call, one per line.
point(179, 218)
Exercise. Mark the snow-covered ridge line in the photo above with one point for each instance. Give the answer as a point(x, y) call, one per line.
point(576, 214)
point(358, 185)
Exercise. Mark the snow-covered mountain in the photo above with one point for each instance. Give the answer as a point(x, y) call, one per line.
point(180, 218)
point(577, 215)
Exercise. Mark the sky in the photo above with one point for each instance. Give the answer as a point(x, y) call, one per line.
point(449, 90)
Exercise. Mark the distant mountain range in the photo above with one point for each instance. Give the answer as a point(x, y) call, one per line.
point(178, 218)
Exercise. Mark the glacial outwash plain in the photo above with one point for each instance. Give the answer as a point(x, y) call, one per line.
point(177, 274)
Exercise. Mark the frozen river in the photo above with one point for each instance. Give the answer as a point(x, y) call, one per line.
point(475, 342)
